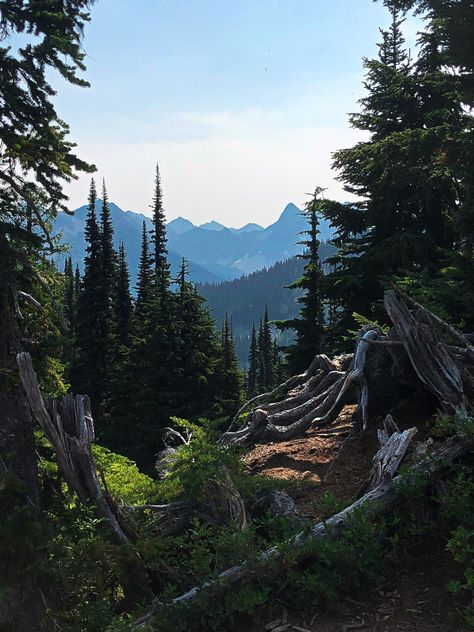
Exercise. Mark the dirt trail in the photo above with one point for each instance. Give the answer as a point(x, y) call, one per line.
point(415, 598)
point(327, 460)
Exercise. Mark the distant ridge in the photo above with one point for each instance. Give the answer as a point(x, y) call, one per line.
point(214, 251)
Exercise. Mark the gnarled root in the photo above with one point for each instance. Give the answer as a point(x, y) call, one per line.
point(317, 404)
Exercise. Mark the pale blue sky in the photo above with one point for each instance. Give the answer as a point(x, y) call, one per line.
point(241, 102)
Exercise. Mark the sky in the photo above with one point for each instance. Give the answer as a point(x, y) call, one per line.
point(240, 102)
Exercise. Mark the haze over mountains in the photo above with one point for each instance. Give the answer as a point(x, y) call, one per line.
point(215, 252)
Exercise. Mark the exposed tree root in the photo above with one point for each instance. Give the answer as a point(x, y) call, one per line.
point(421, 349)
point(318, 404)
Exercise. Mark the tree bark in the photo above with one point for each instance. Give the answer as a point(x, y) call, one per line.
point(21, 606)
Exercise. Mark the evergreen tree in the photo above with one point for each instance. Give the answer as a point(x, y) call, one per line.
point(69, 307)
point(77, 283)
point(108, 257)
point(401, 227)
point(160, 252)
point(261, 363)
point(230, 378)
point(278, 366)
point(266, 349)
point(252, 365)
point(454, 20)
point(69, 296)
point(195, 391)
point(117, 404)
point(144, 279)
point(87, 372)
point(309, 327)
point(36, 158)
point(123, 301)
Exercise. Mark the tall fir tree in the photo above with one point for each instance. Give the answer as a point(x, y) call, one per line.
point(108, 255)
point(123, 300)
point(77, 282)
point(108, 286)
point(144, 279)
point(69, 296)
point(69, 308)
point(230, 387)
point(38, 40)
point(160, 251)
point(309, 327)
point(87, 373)
point(159, 239)
point(195, 391)
point(454, 20)
point(398, 227)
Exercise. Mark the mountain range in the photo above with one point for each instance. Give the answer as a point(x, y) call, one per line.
point(215, 252)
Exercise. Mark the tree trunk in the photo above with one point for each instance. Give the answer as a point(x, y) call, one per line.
point(21, 606)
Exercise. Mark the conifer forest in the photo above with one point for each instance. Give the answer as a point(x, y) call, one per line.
point(287, 448)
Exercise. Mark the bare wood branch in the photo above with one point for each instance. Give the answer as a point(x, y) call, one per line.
point(31, 299)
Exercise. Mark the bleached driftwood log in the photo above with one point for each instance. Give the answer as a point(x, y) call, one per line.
point(68, 424)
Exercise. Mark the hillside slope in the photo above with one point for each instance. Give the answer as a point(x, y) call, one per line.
point(244, 299)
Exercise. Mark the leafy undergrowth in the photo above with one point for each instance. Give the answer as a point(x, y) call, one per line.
point(85, 580)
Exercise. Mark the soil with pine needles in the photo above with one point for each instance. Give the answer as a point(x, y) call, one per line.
point(331, 460)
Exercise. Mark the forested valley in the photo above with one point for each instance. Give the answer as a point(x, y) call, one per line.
point(181, 456)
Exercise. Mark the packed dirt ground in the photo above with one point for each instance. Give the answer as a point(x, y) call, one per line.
point(415, 597)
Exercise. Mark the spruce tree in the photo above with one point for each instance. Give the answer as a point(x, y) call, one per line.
point(309, 327)
point(160, 252)
point(454, 20)
point(77, 282)
point(108, 256)
point(252, 365)
point(69, 307)
point(37, 157)
point(158, 232)
point(118, 402)
point(391, 231)
point(261, 362)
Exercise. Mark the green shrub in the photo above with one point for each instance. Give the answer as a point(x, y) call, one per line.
point(124, 480)
point(195, 462)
